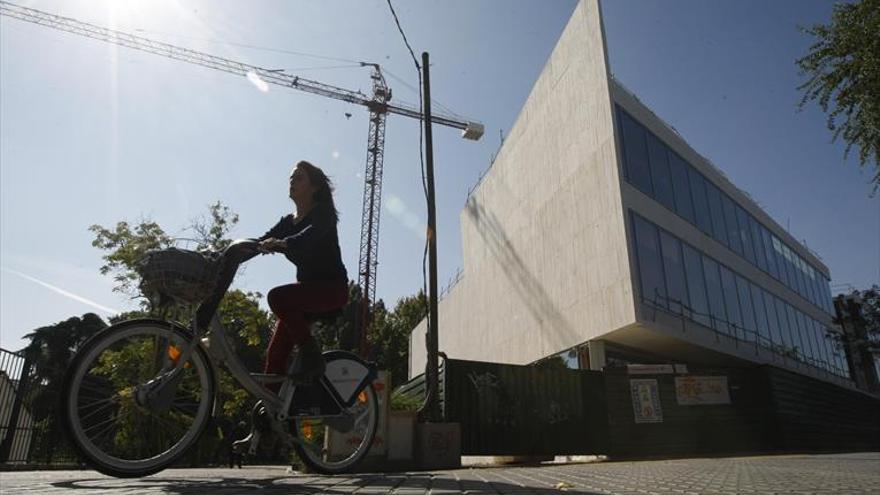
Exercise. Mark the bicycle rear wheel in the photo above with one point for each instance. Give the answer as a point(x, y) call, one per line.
point(336, 444)
point(115, 429)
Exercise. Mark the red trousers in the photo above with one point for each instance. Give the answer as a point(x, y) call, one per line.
point(289, 303)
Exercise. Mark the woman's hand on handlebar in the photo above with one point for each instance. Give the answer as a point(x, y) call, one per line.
point(272, 245)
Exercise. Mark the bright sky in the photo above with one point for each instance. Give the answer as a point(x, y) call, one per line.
point(91, 133)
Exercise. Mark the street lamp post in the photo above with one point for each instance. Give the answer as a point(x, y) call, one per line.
point(430, 411)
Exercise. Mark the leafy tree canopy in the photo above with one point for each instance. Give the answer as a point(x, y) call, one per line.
point(843, 70)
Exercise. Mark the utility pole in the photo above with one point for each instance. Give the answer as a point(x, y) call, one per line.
point(430, 410)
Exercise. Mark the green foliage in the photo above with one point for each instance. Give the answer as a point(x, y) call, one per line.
point(50, 351)
point(868, 318)
point(389, 335)
point(402, 402)
point(248, 326)
point(211, 232)
point(125, 246)
point(843, 65)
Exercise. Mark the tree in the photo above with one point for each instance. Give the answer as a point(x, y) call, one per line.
point(248, 326)
point(862, 311)
point(843, 65)
point(389, 335)
point(50, 351)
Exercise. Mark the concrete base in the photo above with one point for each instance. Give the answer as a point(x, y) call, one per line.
point(438, 445)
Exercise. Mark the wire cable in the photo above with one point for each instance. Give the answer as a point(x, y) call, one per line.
point(252, 47)
point(421, 156)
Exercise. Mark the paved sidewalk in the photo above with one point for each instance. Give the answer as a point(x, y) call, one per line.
point(803, 474)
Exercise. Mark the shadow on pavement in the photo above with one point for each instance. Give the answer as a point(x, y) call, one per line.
point(308, 484)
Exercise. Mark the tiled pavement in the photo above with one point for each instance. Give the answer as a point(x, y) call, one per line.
point(794, 474)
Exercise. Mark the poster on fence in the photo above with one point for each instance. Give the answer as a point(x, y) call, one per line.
point(646, 401)
point(701, 390)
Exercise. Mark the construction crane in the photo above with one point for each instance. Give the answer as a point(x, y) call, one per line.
point(378, 105)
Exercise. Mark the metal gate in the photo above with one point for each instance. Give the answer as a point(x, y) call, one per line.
point(29, 431)
point(507, 409)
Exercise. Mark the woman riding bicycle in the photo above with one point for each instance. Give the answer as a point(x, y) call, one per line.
point(308, 238)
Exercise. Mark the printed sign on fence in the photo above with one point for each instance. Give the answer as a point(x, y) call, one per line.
point(701, 390)
point(646, 401)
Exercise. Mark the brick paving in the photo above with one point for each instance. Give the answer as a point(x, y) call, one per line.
point(857, 473)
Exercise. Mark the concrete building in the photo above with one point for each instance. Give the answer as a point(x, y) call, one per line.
point(600, 236)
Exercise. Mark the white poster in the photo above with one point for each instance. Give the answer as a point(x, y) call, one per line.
point(701, 390)
point(646, 401)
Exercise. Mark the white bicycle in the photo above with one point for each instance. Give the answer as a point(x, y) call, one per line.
point(140, 393)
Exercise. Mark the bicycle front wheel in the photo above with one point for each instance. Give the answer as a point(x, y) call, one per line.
point(114, 427)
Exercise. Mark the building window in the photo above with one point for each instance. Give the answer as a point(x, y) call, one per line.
point(673, 267)
point(638, 171)
point(676, 277)
point(773, 319)
point(716, 295)
point(768, 250)
point(696, 284)
point(748, 311)
point(650, 262)
point(701, 203)
point(719, 230)
point(653, 168)
point(761, 315)
point(758, 244)
point(732, 226)
point(681, 185)
point(662, 179)
point(731, 302)
point(742, 219)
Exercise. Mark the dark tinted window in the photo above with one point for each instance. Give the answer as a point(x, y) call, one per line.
point(745, 234)
point(660, 172)
point(674, 270)
point(716, 295)
point(696, 285)
point(768, 250)
point(731, 302)
point(638, 172)
point(780, 260)
point(809, 278)
point(806, 335)
point(748, 312)
point(701, 203)
point(795, 326)
point(795, 329)
point(760, 314)
point(681, 186)
point(758, 243)
point(784, 326)
point(799, 272)
point(719, 230)
point(650, 263)
point(773, 319)
point(732, 227)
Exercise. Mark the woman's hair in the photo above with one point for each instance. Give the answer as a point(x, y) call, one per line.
point(324, 195)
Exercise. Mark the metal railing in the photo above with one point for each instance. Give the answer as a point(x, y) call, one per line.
point(30, 433)
point(757, 340)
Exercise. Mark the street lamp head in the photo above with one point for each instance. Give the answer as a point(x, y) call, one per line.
point(473, 131)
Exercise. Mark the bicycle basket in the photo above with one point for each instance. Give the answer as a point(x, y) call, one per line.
point(178, 274)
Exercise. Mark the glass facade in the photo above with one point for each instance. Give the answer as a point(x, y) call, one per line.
point(676, 277)
point(653, 168)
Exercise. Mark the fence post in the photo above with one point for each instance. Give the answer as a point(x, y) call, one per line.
point(12, 426)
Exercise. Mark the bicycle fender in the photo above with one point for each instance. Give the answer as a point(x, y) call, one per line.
point(347, 375)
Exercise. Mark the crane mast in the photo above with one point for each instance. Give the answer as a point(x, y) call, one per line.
point(377, 103)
